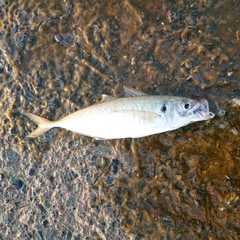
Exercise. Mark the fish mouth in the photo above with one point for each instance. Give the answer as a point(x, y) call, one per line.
point(201, 109)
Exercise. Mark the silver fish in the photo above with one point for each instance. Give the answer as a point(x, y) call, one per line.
point(137, 115)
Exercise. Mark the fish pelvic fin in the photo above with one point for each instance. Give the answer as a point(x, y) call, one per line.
point(43, 124)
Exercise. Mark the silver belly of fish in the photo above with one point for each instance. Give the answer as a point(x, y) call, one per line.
point(130, 117)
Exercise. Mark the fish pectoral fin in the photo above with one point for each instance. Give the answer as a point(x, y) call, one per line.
point(131, 92)
point(146, 116)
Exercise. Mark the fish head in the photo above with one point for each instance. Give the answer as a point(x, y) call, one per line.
point(186, 111)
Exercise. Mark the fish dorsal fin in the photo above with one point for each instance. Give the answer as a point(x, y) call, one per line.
point(106, 98)
point(131, 92)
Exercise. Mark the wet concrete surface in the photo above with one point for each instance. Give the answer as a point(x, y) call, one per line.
point(59, 56)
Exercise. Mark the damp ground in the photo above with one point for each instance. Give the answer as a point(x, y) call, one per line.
point(59, 56)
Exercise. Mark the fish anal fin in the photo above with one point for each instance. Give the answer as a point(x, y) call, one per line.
point(98, 138)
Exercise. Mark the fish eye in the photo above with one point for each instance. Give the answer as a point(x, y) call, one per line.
point(187, 106)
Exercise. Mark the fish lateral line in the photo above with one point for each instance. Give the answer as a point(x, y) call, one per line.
point(152, 114)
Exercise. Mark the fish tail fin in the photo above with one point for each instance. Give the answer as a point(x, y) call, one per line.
point(43, 124)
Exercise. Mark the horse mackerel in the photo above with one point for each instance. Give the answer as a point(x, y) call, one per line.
point(136, 116)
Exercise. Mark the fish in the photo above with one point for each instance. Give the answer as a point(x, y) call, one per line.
point(134, 116)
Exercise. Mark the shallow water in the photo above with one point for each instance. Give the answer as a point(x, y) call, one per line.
point(60, 56)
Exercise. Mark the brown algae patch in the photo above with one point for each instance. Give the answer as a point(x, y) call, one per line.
point(179, 179)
